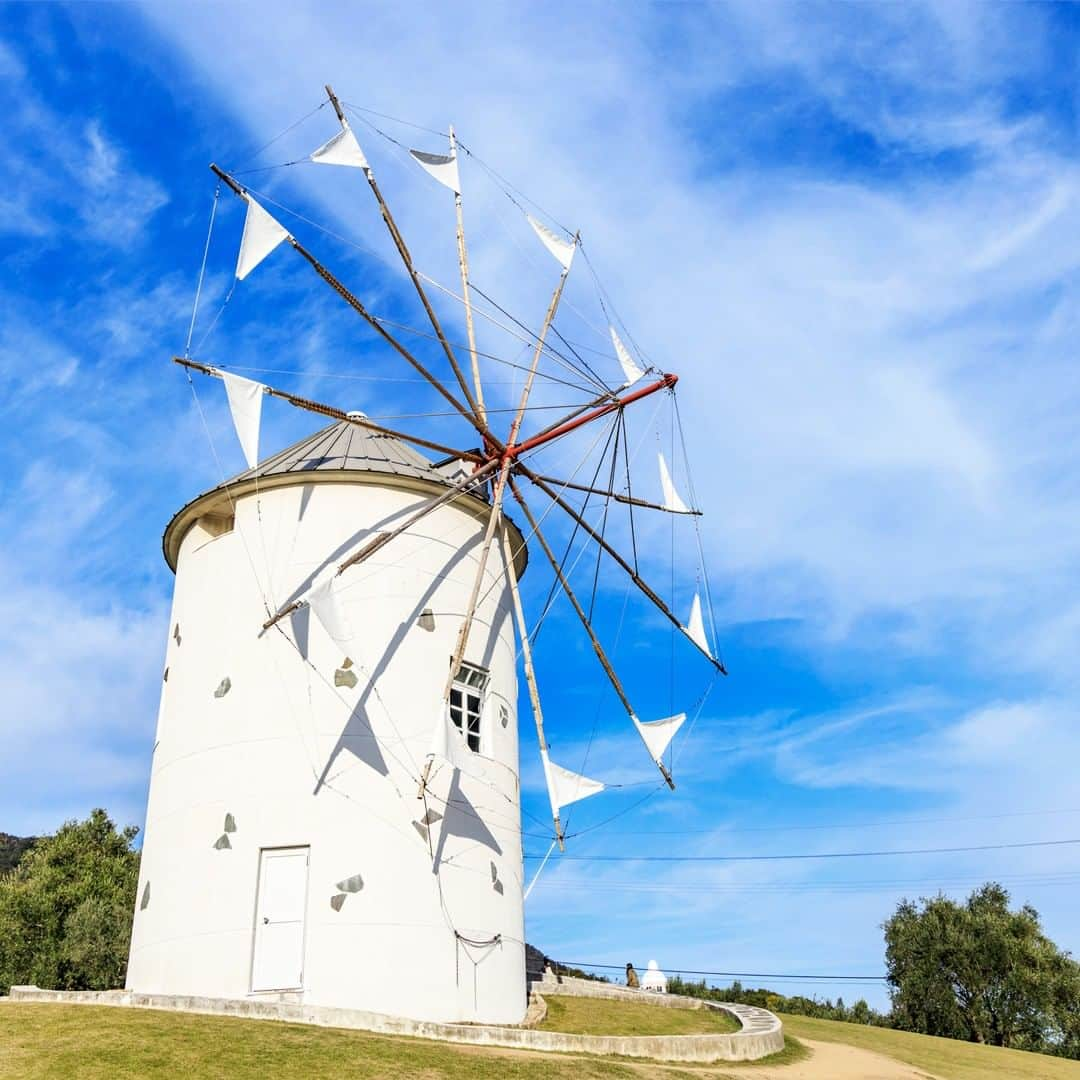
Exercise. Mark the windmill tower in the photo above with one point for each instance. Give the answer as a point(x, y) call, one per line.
point(334, 811)
point(286, 852)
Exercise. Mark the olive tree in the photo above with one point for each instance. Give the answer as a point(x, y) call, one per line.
point(66, 909)
point(978, 971)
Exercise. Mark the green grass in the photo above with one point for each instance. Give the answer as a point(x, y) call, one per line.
point(599, 1016)
point(86, 1042)
point(948, 1059)
point(82, 1042)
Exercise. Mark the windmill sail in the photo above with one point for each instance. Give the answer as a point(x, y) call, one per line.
point(447, 741)
point(632, 372)
point(565, 787)
point(443, 167)
point(262, 233)
point(342, 149)
point(695, 627)
point(672, 500)
point(324, 604)
point(245, 403)
point(563, 250)
point(657, 734)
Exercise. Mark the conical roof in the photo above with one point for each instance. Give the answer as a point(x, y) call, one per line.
point(328, 455)
point(345, 447)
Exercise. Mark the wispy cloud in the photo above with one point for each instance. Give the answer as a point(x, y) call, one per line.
point(850, 230)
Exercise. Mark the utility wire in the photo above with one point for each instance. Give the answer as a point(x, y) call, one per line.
point(729, 974)
point(844, 825)
point(814, 855)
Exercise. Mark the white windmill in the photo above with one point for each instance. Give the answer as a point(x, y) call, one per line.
point(334, 809)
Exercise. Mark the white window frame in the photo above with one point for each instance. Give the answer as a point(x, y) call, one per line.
point(467, 696)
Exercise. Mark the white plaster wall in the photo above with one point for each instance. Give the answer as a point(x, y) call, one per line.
point(298, 761)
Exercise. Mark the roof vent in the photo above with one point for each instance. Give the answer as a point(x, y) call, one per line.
point(356, 414)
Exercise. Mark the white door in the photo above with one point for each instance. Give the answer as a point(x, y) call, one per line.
point(278, 963)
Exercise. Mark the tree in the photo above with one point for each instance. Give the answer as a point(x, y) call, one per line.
point(981, 972)
point(65, 910)
point(12, 849)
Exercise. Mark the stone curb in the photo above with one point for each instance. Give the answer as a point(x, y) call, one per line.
point(746, 1045)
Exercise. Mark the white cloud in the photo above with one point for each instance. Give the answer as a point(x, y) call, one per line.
point(50, 174)
point(878, 392)
point(80, 672)
point(859, 441)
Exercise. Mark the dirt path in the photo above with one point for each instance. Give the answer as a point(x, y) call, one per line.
point(827, 1061)
point(835, 1061)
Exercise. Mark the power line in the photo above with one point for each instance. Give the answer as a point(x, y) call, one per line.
point(731, 974)
point(814, 855)
point(1028, 881)
point(844, 825)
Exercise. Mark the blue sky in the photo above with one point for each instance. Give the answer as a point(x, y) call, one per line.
point(851, 229)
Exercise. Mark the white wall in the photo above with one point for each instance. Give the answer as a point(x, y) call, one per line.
point(298, 761)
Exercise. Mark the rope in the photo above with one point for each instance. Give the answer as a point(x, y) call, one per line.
point(392, 119)
point(281, 135)
point(697, 530)
point(556, 585)
point(536, 876)
point(506, 188)
point(202, 272)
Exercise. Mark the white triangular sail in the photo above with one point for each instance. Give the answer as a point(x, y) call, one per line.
point(326, 607)
point(443, 167)
point(656, 734)
point(626, 361)
point(695, 627)
point(245, 403)
point(565, 787)
point(672, 500)
point(563, 250)
point(262, 233)
point(447, 741)
point(342, 149)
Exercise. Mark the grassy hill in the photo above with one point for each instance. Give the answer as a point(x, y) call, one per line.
point(78, 1042)
point(82, 1042)
point(949, 1059)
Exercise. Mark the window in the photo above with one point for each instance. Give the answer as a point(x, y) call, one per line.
point(217, 524)
point(467, 702)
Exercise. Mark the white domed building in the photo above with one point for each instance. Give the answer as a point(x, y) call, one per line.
point(654, 979)
point(287, 855)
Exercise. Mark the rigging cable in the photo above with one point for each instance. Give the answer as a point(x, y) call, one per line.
point(697, 529)
point(282, 134)
point(548, 350)
point(202, 271)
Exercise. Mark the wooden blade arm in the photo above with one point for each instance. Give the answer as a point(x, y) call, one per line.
point(505, 464)
point(406, 258)
point(597, 647)
point(375, 323)
point(552, 494)
point(463, 266)
point(580, 417)
point(628, 499)
point(337, 414)
point(530, 670)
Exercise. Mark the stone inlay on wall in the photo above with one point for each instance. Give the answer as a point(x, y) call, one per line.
point(223, 841)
